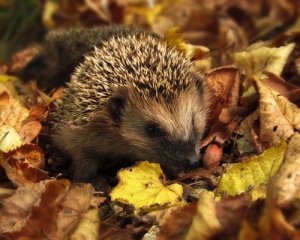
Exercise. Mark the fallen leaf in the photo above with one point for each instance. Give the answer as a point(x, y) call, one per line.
point(24, 165)
point(30, 131)
point(76, 203)
point(278, 116)
point(38, 113)
point(144, 187)
point(284, 88)
point(177, 224)
point(254, 63)
point(245, 142)
point(15, 210)
point(205, 222)
point(225, 83)
point(88, 227)
point(38, 219)
point(7, 78)
point(200, 55)
point(13, 113)
point(243, 177)
point(285, 184)
point(9, 139)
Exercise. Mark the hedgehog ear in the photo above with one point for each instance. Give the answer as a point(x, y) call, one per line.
point(117, 103)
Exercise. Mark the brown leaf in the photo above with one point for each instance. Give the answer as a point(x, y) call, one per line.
point(278, 116)
point(76, 203)
point(38, 112)
point(21, 58)
point(176, 226)
point(284, 88)
point(42, 220)
point(23, 165)
point(225, 83)
point(12, 111)
point(15, 210)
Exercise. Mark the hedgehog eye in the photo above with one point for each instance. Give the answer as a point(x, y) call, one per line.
point(153, 130)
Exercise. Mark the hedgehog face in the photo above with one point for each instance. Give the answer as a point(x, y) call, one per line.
point(163, 131)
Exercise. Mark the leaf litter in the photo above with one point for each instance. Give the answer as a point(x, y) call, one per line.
point(248, 54)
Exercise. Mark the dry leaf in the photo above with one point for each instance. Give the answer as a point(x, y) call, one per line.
point(75, 205)
point(13, 113)
point(143, 186)
point(285, 184)
point(15, 210)
point(177, 224)
point(243, 177)
point(200, 55)
point(88, 227)
point(24, 165)
point(9, 139)
point(278, 116)
point(39, 221)
point(30, 131)
point(205, 222)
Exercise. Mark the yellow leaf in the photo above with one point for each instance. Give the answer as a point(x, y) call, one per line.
point(255, 62)
point(205, 222)
point(285, 184)
point(6, 78)
point(88, 227)
point(143, 187)
point(150, 14)
point(9, 139)
point(199, 54)
point(50, 8)
point(243, 177)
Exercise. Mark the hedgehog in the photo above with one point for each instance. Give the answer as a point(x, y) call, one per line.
point(130, 97)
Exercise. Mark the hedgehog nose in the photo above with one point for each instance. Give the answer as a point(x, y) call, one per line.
point(194, 160)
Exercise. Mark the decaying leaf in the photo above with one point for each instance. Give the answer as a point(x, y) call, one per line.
point(40, 216)
point(12, 113)
point(278, 116)
point(143, 186)
point(24, 165)
point(205, 222)
point(76, 203)
point(254, 63)
point(88, 227)
point(30, 131)
point(9, 139)
point(285, 184)
point(15, 210)
point(242, 177)
point(176, 226)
